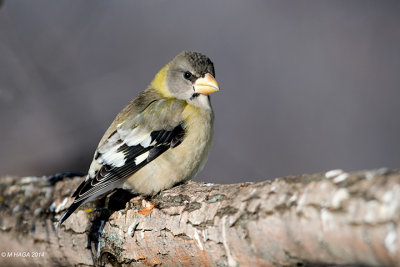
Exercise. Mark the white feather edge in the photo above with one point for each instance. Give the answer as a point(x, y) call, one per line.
point(139, 159)
point(108, 152)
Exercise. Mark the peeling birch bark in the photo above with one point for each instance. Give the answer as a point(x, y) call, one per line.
point(327, 218)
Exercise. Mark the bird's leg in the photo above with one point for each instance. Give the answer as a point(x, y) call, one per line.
point(59, 176)
point(96, 229)
point(118, 199)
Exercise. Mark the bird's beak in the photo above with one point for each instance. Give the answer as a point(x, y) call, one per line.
point(206, 85)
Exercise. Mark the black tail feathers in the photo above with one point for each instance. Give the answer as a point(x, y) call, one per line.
point(69, 211)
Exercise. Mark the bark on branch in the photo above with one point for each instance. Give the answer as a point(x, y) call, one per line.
point(326, 218)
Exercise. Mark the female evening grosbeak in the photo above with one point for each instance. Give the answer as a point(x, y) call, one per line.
point(161, 138)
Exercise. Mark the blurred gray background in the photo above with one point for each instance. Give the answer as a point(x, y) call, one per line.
point(306, 86)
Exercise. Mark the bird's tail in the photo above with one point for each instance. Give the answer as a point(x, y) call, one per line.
point(69, 211)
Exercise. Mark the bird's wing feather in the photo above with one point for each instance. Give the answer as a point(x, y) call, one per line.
point(125, 157)
point(130, 147)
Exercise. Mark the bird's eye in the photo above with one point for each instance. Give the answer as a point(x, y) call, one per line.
point(187, 75)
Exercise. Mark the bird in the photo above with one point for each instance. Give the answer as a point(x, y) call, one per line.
point(161, 138)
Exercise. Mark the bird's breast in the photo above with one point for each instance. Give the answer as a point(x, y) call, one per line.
point(180, 163)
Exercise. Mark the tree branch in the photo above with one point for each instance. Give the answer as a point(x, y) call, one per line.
point(329, 218)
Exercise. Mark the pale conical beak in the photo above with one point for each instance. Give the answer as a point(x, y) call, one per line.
point(206, 85)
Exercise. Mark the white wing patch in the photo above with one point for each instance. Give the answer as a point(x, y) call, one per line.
point(109, 154)
point(135, 137)
point(116, 159)
point(109, 143)
point(141, 158)
point(146, 142)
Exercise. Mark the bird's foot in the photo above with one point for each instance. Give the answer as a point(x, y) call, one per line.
point(147, 207)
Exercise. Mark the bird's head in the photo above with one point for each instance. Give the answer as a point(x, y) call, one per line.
point(189, 76)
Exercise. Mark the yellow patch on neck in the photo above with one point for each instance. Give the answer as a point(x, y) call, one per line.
point(159, 82)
